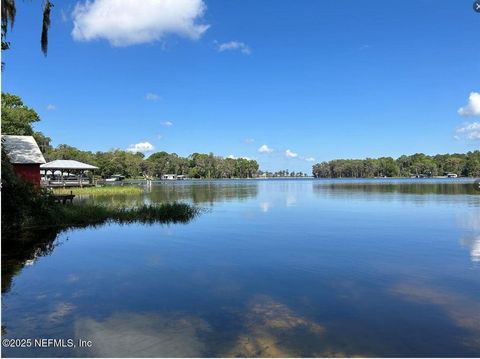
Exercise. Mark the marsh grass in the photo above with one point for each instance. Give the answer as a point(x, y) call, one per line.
point(84, 214)
point(100, 191)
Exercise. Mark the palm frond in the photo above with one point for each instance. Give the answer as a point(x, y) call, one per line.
point(8, 18)
point(9, 11)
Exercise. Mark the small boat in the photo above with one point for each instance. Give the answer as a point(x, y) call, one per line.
point(115, 178)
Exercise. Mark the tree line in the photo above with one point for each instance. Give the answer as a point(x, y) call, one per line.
point(18, 119)
point(419, 164)
point(135, 165)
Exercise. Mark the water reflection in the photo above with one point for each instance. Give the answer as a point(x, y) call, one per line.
point(404, 186)
point(143, 335)
point(60, 311)
point(201, 192)
point(270, 327)
point(471, 238)
point(24, 251)
point(401, 190)
point(460, 308)
point(276, 269)
point(265, 206)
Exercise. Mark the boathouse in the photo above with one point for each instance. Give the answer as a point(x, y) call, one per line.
point(25, 156)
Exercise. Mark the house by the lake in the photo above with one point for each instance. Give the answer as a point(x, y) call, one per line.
point(25, 156)
point(172, 177)
point(169, 177)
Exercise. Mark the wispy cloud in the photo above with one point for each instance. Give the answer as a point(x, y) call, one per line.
point(265, 149)
point(150, 96)
point(234, 46)
point(64, 15)
point(141, 147)
point(128, 22)
point(469, 131)
point(473, 106)
point(291, 154)
point(51, 107)
point(167, 123)
point(310, 159)
point(249, 140)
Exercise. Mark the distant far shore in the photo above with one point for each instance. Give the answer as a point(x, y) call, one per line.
point(138, 180)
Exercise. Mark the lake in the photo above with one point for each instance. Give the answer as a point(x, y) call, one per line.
point(270, 268)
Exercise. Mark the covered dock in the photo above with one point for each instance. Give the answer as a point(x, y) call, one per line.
point(67, 173)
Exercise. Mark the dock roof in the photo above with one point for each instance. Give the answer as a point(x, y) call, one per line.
point(22, 149)
point(67, 165)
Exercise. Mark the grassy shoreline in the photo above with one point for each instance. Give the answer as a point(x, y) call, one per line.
point(99, 191)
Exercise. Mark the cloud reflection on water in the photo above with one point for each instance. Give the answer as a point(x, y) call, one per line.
point(462, 310)
point(269, 329)
point(143, 335)
point(471, 238)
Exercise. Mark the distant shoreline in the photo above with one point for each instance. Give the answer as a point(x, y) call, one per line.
point(126, 181)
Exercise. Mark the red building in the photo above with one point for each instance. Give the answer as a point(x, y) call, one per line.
point(25, 156)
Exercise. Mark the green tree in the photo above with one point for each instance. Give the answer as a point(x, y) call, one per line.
point(17, 118)
point(472, 165)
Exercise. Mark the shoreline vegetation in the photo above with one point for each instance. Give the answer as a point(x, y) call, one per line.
point(99, 190)
point(28, 209)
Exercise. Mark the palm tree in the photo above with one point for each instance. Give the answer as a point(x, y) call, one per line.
point(8, 18)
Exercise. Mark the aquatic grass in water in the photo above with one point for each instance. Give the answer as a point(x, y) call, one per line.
point(78, 215)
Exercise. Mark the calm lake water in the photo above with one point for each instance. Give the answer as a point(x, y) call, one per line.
point(271, 268)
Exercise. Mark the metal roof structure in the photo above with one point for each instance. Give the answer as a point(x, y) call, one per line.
point(22, 149)
point(67, 165)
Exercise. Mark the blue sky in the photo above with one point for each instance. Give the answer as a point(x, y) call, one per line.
point(321, 79)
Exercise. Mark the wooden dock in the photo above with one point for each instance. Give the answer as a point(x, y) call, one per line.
point(64, 198)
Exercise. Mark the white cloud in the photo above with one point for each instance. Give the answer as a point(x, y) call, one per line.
point(51, 107)
point(167, 123)
point(249, 140)
point(291, 154)
point(130, 22)
point(265, 149)
point(234, 46)
point(141, 147)
point(310, 159)
point(234, 157)
point(469, 131)
point(152, 97)
point(473, 106)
